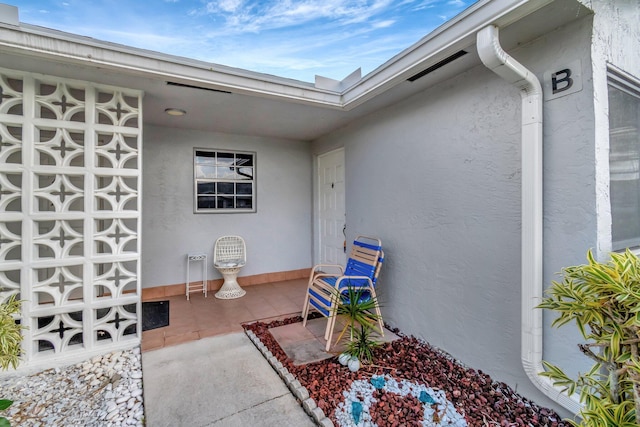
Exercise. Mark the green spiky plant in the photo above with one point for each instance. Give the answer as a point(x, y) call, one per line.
point(361, 322)
point(10, 344)
point(603, 299)
point(361, 345)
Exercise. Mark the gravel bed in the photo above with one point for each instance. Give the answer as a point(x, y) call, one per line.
point(456, 394)
point(103, 391)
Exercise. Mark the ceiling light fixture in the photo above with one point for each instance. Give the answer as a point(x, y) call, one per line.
point(175, 112)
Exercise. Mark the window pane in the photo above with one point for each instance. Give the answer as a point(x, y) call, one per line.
point(624, 166)
point(244, 202)
point(245, 173)
point(206, 188)
point(226, 159)
point(202, 156)
point(205, 162)
point(225, 188)
point(244, 188)
point(226, 172)
point(205, 171)
point(206, 202)
point(244, 159)
point(225, 202)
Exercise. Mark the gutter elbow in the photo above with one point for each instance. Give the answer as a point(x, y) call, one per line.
point(497, 60)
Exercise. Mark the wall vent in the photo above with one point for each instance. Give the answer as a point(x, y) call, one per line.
point(196, 87)
point(437, 65)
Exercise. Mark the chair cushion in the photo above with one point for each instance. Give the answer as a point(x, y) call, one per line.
point(229, 263)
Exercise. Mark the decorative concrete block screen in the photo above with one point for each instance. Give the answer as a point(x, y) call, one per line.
point(70, 169)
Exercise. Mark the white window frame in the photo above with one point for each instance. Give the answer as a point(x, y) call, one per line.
point(212, 178)
point(626, 167)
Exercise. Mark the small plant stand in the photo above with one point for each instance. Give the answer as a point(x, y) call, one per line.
point(197, 286)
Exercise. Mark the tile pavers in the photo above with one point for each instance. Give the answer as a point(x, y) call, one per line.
point(201, 317)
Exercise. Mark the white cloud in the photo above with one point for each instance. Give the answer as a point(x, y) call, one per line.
point(383, 24)
point(227, 6)
point(243, 17)
point(426, 4)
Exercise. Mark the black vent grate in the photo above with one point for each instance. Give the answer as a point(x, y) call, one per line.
point(440, 64)
point(196, 87)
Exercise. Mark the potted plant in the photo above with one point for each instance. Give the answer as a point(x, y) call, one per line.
point(357, 307)
point(603, 299)
point(10, 343)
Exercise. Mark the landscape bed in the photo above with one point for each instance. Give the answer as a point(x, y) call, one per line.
point(477, 399)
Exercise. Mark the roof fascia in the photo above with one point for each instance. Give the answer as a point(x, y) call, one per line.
point(457, 34)
point(55, 45)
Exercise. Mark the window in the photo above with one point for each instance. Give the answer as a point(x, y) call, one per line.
point(224, 181)
point(624, 160)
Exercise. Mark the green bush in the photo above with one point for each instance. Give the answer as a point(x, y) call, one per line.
point(603, 299)
point(10, 335)
point(10, 341)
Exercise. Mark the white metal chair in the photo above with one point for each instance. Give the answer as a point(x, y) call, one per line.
point(229, 256)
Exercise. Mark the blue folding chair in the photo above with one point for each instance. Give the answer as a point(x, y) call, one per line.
point(329, 283)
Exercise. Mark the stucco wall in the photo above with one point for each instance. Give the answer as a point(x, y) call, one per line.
point(437, 177)
point(278, 236)
point(616, 41)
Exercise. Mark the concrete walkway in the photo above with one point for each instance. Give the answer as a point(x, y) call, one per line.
point(217, 381)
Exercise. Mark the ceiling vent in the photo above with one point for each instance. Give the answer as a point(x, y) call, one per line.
point(437, 65)
point(196, 87)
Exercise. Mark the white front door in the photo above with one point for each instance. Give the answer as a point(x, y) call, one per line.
point(331, 208)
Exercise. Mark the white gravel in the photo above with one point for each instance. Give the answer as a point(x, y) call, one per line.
point(103, 391)
point(364, 392)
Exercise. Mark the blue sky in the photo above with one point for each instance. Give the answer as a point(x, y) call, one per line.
point(288, 38)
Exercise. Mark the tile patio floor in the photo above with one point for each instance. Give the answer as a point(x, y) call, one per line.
point(202, 317)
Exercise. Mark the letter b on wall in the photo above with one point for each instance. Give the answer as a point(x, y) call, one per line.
point(563, 80)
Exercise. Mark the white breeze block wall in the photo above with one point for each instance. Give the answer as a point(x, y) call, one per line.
point(70, 203)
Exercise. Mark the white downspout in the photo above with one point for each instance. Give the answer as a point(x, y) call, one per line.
point(498, 61)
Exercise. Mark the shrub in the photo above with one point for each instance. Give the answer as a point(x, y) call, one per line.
point(603, 299)
point(10, 340)
point(10, 335)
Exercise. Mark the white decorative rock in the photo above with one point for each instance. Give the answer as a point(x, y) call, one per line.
point(353, 364)
point(344, 359)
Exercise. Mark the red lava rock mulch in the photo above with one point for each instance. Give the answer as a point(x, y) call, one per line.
point(482, 401)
